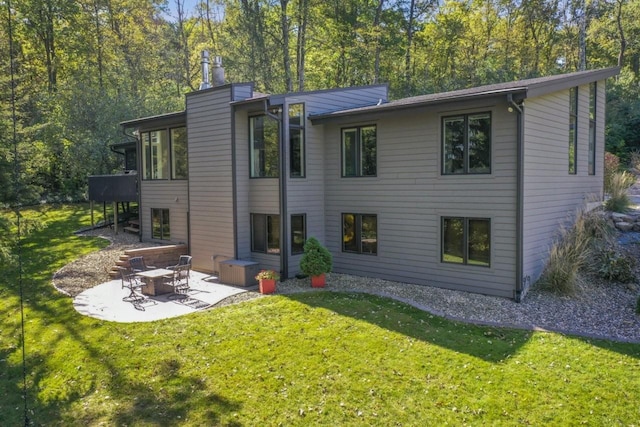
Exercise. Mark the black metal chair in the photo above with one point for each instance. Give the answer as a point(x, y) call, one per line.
point(138, 265)
point(183, 260)
point(133, 283)
point(179, 280)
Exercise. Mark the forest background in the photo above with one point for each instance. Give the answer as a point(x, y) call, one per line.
point(82, 66)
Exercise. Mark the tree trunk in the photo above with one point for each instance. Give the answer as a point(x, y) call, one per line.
point(623, 40)
point(376, 28)
point(303, 15)
point(286, 58)
point(407, 56)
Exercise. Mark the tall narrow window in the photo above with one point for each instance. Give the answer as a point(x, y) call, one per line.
point(265, 233)
point(298, 233)
point(263, 140)
point(573, 130)
point(155, 155)
point(296, 141)
point(359, 151)
point(593, 88)
point(179, 167)
point(466, 241)
point(360, 233)
point(466, 144)
point(160, 224)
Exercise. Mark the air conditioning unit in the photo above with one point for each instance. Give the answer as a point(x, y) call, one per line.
point(238, 272)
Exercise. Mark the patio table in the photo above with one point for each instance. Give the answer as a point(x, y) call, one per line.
point(153, 281)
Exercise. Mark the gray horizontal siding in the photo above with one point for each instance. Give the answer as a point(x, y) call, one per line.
point(552, 196)
point(409, 197)
point(210, 178)
point(172, 195)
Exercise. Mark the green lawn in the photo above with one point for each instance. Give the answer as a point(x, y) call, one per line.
point(314, 358)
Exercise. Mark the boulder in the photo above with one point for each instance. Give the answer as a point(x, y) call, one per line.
point(620, 217)
point(624, 226)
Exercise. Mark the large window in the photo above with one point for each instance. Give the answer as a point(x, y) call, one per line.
point(359, 151)
point(179, 166)
point(592, 127)
point(573, 129)
point(298, 233)
point(263, 140)
point(265, 233)
point(156, 161)
point(296, 141)
point(360, 233)
point(160, 228)
point(155, 155)
point(466, 241)
point(466, 144)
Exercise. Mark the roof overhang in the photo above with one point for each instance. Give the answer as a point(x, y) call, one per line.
point(178, 117)
point(518, 90)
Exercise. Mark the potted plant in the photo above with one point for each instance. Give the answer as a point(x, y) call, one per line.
point(315, 262)
point(267, 280)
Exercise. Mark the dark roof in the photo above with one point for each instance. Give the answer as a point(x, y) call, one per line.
point(123, 144)
point(176, 116)
point(522, 89)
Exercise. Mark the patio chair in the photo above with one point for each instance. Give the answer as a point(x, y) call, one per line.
point(137, 265)
point(179, 280)
point(133, 283)
point(183, 260)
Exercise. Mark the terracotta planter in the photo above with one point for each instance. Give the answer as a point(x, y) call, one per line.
point(267, 286)
point(318, 281)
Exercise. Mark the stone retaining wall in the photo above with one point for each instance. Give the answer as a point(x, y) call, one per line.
point(159, 256)
point(625, 222)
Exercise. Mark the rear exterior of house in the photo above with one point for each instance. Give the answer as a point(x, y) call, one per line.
point(463, 190)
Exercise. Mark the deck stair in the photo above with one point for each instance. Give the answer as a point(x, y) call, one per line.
point(133, 226)
point(158, 256)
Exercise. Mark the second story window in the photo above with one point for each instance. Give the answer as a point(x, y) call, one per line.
point(573, 129)
point(359, 151)
point(296, 140)
point(155, 155)
point(263, 141)
point(592, 127)
point(466, 144)
point(164, 154)
point(179, 166)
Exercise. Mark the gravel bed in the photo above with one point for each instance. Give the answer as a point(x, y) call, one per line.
point(600, 310)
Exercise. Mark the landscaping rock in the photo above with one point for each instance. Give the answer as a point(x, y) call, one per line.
point(620, 217)
point(624, 226)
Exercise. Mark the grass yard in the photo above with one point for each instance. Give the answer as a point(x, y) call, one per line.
point(318, 358)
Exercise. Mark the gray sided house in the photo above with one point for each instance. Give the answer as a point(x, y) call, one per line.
point(462, 190)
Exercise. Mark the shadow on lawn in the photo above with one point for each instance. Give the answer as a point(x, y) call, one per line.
point(146, 390)
point(156, 392)
point(487, 343)
point(492, 344)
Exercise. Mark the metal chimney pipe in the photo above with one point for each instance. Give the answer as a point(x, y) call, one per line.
point(218, 71)
point(205, 70)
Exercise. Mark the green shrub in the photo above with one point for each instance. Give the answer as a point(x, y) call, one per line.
point(616, 266)
point(316, 259)
point(618, 198)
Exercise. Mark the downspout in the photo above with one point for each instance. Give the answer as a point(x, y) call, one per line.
point(234, 183)
point(284, 259)
point(519, 291)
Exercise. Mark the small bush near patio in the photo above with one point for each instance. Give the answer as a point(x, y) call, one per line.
point(570, 253)
point(618, 198)
point(317, 358)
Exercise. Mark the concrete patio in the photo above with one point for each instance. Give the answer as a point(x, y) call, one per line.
point(105, 302)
